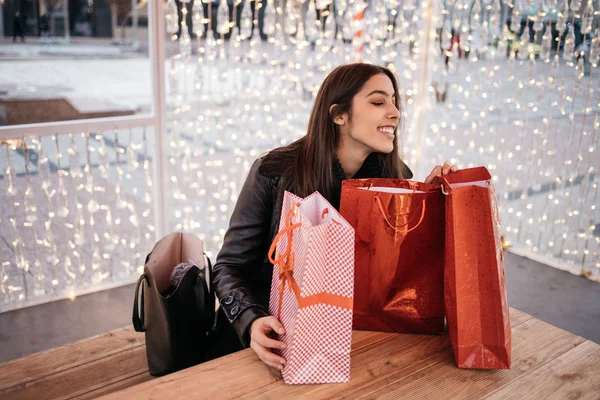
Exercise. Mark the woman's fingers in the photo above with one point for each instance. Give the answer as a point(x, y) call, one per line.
point(446, 168)
point(440, 170)
point(272, 358)
point(265, 341)
point(275, 325)
point(267, 356)
point(262, 344)
point(437, 171)
point(266, 326)
point(262, 354)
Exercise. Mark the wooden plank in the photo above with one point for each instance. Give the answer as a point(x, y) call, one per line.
point(407, 353)
point(225, 374)
point(573, 375)
point(96, 366)
point(368, 347)
point(83, 378)
point(518, 317)
point(534, 344)
point(224, 378)
point(381, 365)
point(232, 375)
point(40, 365)
point(126, 383)
point(362, 339)
point(101, 349)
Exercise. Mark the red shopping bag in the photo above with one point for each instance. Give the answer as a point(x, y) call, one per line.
point(312, 290)
point(399, 254)
point(475, 291)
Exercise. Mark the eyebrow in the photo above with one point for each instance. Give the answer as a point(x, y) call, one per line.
point(383, 92)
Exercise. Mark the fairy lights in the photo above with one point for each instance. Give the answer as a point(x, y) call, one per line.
point(79, 217)
point(77, 209)
point(505, 99)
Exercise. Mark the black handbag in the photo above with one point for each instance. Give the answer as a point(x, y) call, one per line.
point(177, 320)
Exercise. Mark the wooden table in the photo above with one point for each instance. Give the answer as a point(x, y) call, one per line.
point(548, 362)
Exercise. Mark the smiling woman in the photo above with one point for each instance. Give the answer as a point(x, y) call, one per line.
point(352, 133)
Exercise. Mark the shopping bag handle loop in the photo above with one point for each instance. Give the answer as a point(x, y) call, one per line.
point(444, 185)
point(397, 229)
point(286, 260)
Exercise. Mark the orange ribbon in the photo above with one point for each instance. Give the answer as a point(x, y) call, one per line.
point(286, 270)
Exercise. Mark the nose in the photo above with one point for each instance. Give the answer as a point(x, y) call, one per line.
point(393, 113)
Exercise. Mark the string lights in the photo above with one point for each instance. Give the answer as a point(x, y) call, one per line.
point(75, 217)
point(505, 84)
point(502, 89)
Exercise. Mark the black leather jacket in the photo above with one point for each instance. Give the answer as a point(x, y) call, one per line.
point(242, 272)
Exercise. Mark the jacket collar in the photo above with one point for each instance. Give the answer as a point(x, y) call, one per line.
point(371, 168)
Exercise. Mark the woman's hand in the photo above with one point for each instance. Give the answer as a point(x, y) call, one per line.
point(261, 343)
point(440, 170)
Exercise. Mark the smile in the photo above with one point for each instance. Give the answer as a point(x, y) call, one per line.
point(388, 131)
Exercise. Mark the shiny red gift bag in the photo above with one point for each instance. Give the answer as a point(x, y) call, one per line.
point(399, 254)
point(475, 291)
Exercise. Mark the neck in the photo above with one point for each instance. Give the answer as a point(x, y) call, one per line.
point(350, 159)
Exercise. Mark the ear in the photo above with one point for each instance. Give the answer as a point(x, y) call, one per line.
point(338, 120)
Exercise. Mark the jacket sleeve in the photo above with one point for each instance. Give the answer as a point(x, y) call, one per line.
point(244, 248)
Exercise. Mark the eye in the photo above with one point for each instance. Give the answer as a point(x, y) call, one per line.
point(378, 104)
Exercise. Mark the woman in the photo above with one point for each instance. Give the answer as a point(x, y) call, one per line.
point(352, 133)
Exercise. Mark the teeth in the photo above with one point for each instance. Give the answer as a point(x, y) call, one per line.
point(387, 130)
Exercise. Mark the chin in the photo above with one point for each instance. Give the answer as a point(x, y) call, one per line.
point(384, 148)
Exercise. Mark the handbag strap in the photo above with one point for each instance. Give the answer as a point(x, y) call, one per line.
point(211, 293)
point(209, 271)
point(138, 317)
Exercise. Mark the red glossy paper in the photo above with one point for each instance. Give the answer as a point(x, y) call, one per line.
point(475, 291)
point(399, 255)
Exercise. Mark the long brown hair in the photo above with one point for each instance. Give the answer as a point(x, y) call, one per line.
point(311, 169)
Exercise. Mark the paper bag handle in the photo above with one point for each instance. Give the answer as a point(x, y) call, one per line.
point(396, 229)
point(444, 185)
